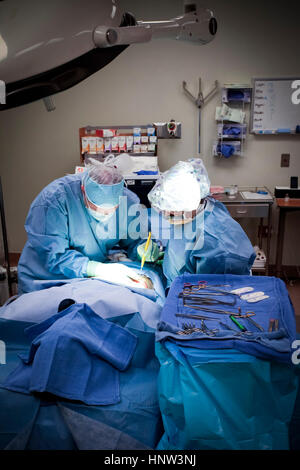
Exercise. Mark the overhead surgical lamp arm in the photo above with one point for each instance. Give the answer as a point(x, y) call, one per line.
point(196, 24)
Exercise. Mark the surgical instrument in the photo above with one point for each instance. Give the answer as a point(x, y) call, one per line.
point(199, 294)
point(204, 290)
point(207, 330)
point(240, 326)
point(273, 325)
point(189, 331)
point(226, 327)
point(145, 251)
point(191, 288)
point(204, 283)
point(246, 315)
point(260, 328)
point(202, 300)
point(194, 317)
point(188, 328)
point(188, 293)
point(236, 333)
point(191, 328)
point(219, 311)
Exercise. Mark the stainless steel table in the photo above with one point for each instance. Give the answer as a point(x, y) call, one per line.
point(259, 208)
point(291, 205)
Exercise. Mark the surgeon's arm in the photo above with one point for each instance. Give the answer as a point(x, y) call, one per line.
point(47, 230)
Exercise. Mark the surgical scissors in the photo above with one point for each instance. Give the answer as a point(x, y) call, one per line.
point(189, 288)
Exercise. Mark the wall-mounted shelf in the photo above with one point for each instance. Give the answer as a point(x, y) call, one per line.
point(230, 117)
point(100, 141)
point(236, 94)
point(231, 131)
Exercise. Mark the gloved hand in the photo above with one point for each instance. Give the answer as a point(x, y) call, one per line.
point(113, 272)
point(152, 254)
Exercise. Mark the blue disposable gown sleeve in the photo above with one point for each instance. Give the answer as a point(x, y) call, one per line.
point(225, 247)
point(47, 230)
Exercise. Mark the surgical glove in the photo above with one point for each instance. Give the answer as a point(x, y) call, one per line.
point(113, 272)
point(152, 254)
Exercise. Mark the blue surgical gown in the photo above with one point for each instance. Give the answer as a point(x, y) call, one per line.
point(219, 244)
point(63, 236)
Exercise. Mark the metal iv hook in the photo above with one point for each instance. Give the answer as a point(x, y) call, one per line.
point(200, 101)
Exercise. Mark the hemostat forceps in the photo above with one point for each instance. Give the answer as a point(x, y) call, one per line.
point(203, 299)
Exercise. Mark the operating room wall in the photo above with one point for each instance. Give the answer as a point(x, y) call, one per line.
point(144, 85)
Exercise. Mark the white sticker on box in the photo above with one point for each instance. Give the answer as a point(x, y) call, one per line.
point(109, 132)
point(79, 169)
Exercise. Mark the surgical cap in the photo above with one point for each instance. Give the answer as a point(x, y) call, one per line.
point(182, 187)
point(103, 185)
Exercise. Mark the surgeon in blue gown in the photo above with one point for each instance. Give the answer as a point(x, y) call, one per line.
point(73, 223)
point(197, 231)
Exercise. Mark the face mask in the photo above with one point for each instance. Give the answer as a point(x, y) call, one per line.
point(100, 217)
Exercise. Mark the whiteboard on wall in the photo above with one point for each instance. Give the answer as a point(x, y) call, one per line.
point(272, 110)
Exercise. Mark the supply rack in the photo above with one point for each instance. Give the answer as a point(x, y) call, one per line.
point(125, 130)
point(238, 141)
